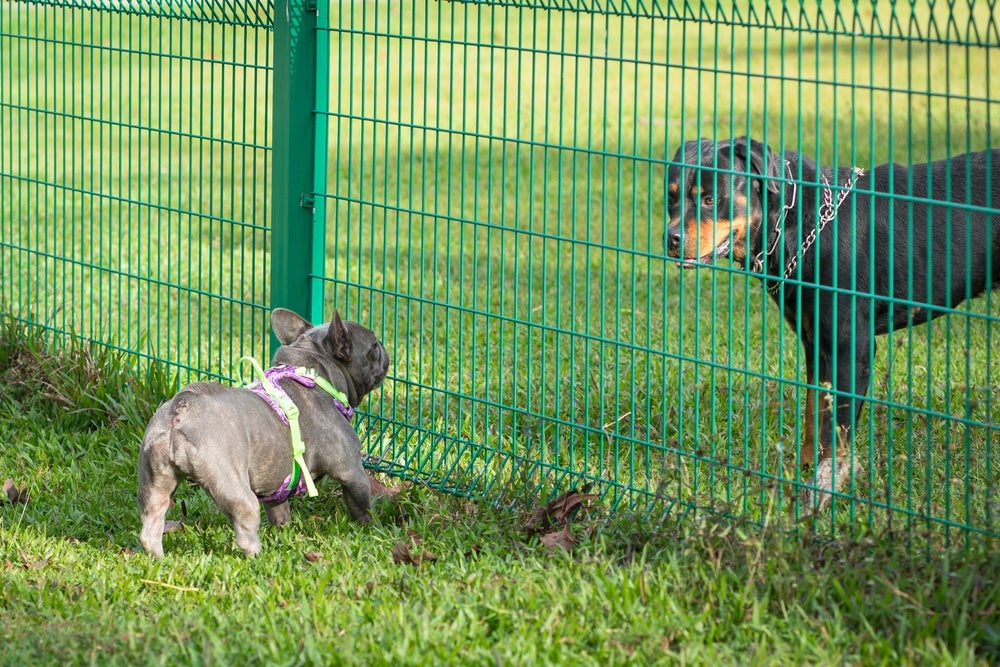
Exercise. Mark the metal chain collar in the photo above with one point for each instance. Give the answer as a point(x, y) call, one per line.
point(827, 212)
point(758, 261)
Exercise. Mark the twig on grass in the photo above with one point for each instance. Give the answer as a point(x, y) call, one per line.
point(182, 589)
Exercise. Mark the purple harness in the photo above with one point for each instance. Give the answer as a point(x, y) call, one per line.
point(294, 484)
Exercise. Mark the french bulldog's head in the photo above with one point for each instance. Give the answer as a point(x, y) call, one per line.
point(345, 353)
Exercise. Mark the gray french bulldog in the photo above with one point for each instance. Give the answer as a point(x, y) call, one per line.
point(233, 443)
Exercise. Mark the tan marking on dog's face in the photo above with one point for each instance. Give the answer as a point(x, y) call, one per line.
point(710, 234)
point(673, 189)
point(740, 201)
point(702, 237)
point(696, 191)
point(739, 229)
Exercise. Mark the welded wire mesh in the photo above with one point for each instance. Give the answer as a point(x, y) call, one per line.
point(496, 203)
point(489, 194)
point(133, 175)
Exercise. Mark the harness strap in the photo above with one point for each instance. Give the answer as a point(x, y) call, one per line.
point(291, 411)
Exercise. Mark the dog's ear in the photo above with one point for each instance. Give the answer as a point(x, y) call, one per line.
point(338, 339)
point(760, 160)
point(288, 326)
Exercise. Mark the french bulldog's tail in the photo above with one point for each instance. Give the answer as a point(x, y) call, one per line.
point(174, 435)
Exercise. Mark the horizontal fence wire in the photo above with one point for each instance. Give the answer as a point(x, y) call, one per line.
point(491, 197)
point(241, 13)
point(917, 20)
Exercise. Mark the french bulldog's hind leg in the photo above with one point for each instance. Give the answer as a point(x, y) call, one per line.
point(154, 499)
point(278, 513)
point(158, 477)
point(357, 494)
point(238, 502)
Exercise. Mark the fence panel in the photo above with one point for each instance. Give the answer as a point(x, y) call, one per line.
point(488, 190)
point(496, 201)
point(134, 175)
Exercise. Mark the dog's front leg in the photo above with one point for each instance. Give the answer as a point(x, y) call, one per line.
point(837, 463)
point(816, 444)
point(278, 513)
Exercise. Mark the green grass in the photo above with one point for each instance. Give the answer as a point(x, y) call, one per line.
point(634, 590)
point(495, 213)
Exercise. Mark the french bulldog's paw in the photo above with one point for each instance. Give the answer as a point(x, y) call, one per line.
point(250, 548)
point(278, 515)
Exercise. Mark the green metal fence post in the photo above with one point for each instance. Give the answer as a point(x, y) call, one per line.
point(294, 220)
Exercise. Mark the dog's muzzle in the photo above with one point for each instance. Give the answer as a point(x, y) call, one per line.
point(672, 239)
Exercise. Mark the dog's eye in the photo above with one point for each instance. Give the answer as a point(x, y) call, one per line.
point(707, 201)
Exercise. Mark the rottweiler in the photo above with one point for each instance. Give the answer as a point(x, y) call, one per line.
point(846, 254)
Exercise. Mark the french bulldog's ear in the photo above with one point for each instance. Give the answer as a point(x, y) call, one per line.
point(338, 338)
point(288, 326)
point(760, 160)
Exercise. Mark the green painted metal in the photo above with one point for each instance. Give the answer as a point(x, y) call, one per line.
point(483, 184)
point(296, 256)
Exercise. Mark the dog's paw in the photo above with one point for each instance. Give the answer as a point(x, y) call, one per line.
point(829, 479)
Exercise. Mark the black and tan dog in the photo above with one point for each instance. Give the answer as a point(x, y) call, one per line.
point(845, 254)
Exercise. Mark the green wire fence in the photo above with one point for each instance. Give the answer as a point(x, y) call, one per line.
point(484, 184)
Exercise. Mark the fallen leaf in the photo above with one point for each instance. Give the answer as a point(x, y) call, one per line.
point(313, 556)
point(14, 495)
point(402, 552)
point(559, 510)
point(380, 490)
point(560, 538)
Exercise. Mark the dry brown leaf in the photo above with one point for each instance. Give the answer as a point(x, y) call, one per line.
point(379, 490)
point(313, 556)
point(558, 511)
point(423, 556)
point(560, 538)
point(403, 553)
point(14, 495)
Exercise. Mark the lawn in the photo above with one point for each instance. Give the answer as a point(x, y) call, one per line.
point(493, 209)
point(435, 579)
